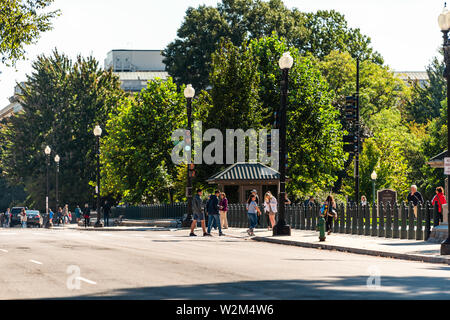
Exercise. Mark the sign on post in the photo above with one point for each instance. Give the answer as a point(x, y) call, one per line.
point(447, 166)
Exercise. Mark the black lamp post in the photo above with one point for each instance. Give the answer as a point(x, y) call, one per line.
point(97, 134)
point(282, 228)
point(47, 152)
point(444, 24)
point(189, 94)
point(57, 159)
point(374, 177)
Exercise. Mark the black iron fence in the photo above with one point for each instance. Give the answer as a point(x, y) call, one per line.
point(151, 212)
point(397, 221)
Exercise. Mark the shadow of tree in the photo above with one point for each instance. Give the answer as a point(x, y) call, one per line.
point(328, 289)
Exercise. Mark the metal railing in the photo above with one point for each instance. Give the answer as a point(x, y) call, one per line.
point(397, 221)
point(151, 212)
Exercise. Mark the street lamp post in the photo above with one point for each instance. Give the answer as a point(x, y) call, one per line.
point(97, 134)
point(57, 159)
point(189, 94)
point(47, 152)
point(444, 24)
point(282, 228)
point(374, 177)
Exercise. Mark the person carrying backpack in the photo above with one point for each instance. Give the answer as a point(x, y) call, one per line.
point(328, 211)
point(213, 213)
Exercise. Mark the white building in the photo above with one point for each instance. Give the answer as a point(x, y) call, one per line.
point(14, 106)
point(136, 67)
point(413, 76)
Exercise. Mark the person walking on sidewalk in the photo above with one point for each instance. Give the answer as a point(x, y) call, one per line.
point(78, 213)
point(328, 211)
point(7, 218)
point(213, 213)
point(415, 197)
point(106, 213)
point(86, 215)
point(223, 210)
point(23, 218)
point(252, 212)
point(270, 208)
point(198, 212)
point(439, 199)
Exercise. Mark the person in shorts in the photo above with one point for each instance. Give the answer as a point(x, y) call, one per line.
point(198, 212)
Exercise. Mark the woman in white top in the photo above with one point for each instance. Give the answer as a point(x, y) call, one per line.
point(271, 208)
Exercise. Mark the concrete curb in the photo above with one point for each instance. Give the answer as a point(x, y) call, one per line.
point(393, 255)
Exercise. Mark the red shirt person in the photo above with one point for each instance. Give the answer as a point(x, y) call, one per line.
point(439, 198)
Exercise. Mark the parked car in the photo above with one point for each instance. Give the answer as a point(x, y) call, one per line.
point(34, 218)
point(15, 212)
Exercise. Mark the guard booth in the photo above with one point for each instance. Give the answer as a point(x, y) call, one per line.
point(238, 180)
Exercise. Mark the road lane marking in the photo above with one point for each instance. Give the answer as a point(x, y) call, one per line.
point(7, 233)
point(36, 262)
point(86, 280)
point(3, 250)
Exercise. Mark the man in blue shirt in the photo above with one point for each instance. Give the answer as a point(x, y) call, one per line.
point(213, 212)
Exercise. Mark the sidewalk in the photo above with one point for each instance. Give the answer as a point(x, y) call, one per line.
point(374, 246)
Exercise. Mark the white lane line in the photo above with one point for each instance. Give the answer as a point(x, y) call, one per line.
point(3, 250)
point(7, 233)
point(36, 262)
point(86, 280)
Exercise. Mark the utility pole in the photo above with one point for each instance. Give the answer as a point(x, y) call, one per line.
point(358, 137)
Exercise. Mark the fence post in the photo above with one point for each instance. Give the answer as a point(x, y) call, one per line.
point(381, 213)
point(419, 224)
point(403, 231)
point(367, 220)
point(341, 213)
point(427, 221)
point(374, 220)
point(348, 219)
point(336, 221)
point(411, 220)
point(314, 216)
point(388, 233)
point(302, 216)
point(308, 217)
point(436, 215)
point(395, 231)
point(361, 219)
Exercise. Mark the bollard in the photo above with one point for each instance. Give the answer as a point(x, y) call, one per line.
point(321, 226)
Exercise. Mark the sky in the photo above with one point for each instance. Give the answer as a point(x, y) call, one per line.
point(405, 32)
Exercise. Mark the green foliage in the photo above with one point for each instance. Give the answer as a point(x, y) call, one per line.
point(425, 102)
point(137, 152)
point(188, 58)
point(62, 101)
point(21, 23)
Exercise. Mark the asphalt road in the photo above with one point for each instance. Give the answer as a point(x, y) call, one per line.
point(60, 264)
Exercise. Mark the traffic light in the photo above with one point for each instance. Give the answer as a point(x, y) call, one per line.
point(351, 143)
point(350, 109)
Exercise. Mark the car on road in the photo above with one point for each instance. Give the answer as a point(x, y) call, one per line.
point(15, 212)
point(34, 218)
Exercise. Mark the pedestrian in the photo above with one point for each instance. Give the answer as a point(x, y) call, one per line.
point(23, 218)
point(50, 218)
point(198, 213)
point(65, 214)
point(252, 212)
point(106, 212)
point(86, 215)
point(363, 201)
point(287, 202)
point(310, 202)
point(415, 197)
point(78, 213)
point(7, 217)
point(59, 216)
point(328, 211)
point(439, 199)
point(213, 212)
point(223, 210)
point(270, 208)
point(255, 193)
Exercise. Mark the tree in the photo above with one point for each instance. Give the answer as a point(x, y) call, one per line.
point(62, 102)
point(21, 24)
point(425, 101)
point(136, 155)
point(188, 58)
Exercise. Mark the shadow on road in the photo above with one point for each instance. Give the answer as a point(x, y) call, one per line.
point(337, 288)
